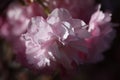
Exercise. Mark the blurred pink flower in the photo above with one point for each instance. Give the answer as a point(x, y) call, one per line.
point(81, 9)
point(17, 19)
point(60, 39)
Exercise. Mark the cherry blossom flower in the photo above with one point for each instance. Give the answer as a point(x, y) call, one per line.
point(17, 19)
point(63, 40)
point(102, 34)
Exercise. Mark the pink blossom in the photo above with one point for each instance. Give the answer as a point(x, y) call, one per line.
point(62, 40)
point(17, 19)
point(102, 34)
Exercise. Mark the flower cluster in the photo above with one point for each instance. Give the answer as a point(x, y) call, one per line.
point(62, 40)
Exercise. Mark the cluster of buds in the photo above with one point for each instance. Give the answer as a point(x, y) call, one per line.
point(63, 40)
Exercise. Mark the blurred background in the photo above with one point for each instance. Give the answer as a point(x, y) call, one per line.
point(108, 69)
